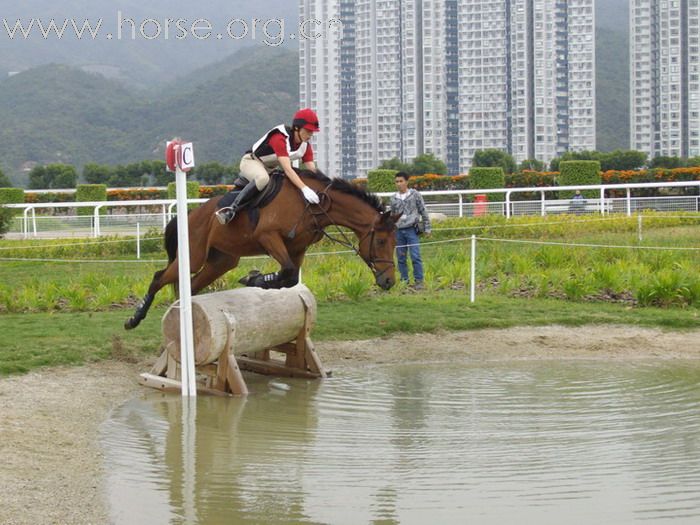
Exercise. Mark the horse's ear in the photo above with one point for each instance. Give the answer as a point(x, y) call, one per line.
point(389, 218)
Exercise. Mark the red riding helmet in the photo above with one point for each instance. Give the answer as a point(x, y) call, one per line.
point(306, 118)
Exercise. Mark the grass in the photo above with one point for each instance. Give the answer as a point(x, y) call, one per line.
point(69, 313)
point(30, 341)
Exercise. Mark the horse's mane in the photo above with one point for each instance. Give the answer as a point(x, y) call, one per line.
point(345, 187)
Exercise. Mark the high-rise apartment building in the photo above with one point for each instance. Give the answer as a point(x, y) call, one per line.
point(665, 77)
point(526, 78)
point(450, 77)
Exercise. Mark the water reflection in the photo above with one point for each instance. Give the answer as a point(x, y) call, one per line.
point(585, 442)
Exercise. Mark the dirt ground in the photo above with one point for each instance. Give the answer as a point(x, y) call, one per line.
point(51, 461)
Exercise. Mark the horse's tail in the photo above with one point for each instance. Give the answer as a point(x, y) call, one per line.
point(171, 239)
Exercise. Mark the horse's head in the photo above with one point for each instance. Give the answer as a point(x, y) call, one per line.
point(377, 249)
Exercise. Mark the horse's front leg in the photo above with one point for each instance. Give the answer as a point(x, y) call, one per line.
point(288, 275)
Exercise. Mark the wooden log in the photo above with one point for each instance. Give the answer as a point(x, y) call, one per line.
point(249, 319)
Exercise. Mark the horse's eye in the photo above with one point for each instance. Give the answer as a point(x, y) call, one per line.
point(381, 242)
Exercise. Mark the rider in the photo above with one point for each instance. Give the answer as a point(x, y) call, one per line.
point(276, 149)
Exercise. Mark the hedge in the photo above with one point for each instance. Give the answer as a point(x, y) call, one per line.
point(481, 178)
point(381, 180)
point(192, 191)
point(90, 193)
point(50, 196)
point(11, 195)
point(579, 173)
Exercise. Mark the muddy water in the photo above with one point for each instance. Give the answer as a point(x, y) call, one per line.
point(515, 442)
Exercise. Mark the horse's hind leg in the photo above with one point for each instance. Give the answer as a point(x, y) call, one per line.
point(160, 279)
point(217, 264)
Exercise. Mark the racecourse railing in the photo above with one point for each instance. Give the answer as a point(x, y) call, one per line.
point(72, 219)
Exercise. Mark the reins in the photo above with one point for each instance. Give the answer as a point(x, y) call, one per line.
point(345, 240)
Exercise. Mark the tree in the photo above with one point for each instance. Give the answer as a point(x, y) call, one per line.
point(531, 165)
point(494, 158)
point(4, 181)
point(427, 163)
point(53, 176)
point(623, 160)
point(666, 162)
point(214, 173)
point(395, 164)
point(96, 173)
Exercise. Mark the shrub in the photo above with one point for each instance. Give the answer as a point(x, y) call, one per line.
point(11, 195)
point(483, 178)
point(381, 180)
point(579, 173)
point(6, 215)
point(192, 191)
point(136, 194)
point(529, 179)
point(207, 192)
point(90, 193)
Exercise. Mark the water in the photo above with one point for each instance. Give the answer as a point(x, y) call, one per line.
point(517, 442)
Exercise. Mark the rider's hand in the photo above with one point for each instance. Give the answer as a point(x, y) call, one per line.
point(310, 195)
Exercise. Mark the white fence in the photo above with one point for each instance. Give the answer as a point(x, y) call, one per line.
point(125, 217)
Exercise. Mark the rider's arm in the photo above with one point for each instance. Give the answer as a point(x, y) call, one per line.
point(286, 165)
point(311, 166)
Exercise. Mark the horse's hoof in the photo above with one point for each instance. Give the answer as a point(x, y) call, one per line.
point(130, 323)
point(248, 279)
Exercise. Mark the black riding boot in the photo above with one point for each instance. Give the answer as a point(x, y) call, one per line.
point(227, 212)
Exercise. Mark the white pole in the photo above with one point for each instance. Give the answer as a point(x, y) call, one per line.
point(189, 388)
point(189, 463)
point(639, 227)
point(472, 284)
point(138, 240)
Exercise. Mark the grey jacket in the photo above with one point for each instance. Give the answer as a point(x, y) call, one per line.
point(413, 210)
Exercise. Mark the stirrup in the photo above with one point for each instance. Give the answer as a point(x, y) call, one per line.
point(225, 215)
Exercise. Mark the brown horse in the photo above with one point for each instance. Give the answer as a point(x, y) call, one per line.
point(284, 229)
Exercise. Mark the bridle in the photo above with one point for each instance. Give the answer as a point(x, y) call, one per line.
point(322, 210)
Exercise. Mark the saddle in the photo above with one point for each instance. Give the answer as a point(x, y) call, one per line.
point(263, 198)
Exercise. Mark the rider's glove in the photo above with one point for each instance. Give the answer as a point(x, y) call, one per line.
point(310, 195)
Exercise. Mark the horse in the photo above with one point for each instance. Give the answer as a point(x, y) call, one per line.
point(284, 228)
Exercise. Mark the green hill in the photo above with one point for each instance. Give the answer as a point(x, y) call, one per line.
point(62, 114)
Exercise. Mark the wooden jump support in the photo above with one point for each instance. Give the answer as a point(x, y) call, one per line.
point(241, 329)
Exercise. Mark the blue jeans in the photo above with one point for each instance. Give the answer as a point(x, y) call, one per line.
point(405, 237)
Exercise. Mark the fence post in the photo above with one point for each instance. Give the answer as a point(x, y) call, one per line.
point(507, 205)
point(25, 223)
point(34, 220)
point(629, 203)
point(472, 263)
point(138, 240)
point(639, 227)
point(461, 203)
point(543, 211)
point(602, 201)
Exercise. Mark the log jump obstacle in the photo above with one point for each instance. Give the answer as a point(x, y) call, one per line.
point(238, 330)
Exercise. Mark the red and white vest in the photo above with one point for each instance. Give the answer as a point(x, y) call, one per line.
point(264, 152)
